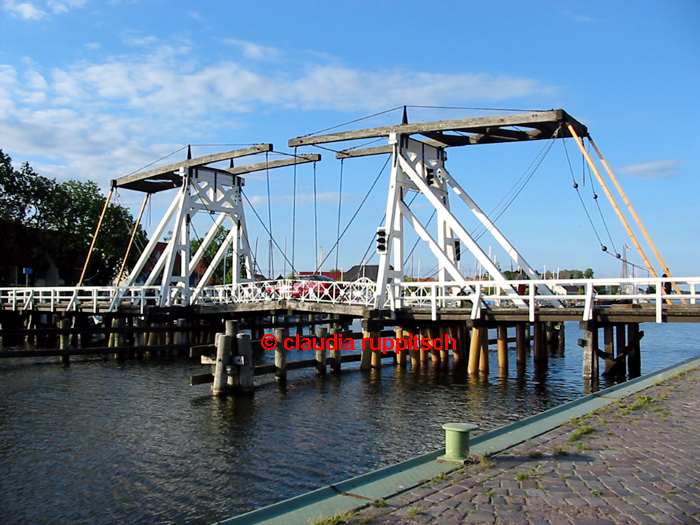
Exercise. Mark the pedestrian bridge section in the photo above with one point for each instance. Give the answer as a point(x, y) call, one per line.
point(654, 299)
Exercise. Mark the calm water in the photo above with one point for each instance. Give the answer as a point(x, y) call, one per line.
point(103, 442)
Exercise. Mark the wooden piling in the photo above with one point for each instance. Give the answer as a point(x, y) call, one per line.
point(139, 338)
point(424, 354)
point(520, 344)
point(475, 350)
point(245, 371)
point(64, 340)
point(608, 348)
point(634, 358)
point(280, 355)
point(400, 354)
point(321, 334)
point(484, 354)
point(590, 350)
point(539, 343)
point(432, 333)
point(455, 332)
point(336, 353)
point(223, 354)
point(376, 354)
point(502, 338)
point(366, 360)
point(413, 352)
point(621, 343)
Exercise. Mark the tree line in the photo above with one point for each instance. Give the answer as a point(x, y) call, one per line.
point(67, 214)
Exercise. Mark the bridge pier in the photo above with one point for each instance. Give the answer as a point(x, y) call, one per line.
point(281, 355)
point(502, 343)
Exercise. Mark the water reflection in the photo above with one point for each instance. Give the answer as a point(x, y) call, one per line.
point(107, 442)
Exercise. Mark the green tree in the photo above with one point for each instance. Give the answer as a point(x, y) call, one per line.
point(588, 273)
point(210, 253)
point(23, 193)
point(71, 210)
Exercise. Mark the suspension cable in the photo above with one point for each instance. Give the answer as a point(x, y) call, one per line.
point(133, 236)
point(518, 187)
point(364, 199)
point(268, 232)
point(578, 193)
point(94, 237)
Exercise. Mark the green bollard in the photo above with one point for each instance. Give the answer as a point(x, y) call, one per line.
point(457, 441)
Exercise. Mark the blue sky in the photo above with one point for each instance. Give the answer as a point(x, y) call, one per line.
point(96, 90)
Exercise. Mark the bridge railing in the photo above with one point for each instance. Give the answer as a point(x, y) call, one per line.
point(477, 295)
point(86, 298)
point(334, 292)
point(586, 293)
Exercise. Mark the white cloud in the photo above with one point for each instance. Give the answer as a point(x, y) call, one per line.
point(140, 41)
point(63, 6)
point(78, 117)
point(25, 10)
point(255, 51)
point(30, 11)
point(660, 169)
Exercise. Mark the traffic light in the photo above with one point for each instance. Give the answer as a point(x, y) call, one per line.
point(458, 250)
point(381, 241)
point(429, 176)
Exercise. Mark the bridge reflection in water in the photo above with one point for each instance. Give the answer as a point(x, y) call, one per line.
point(125, 442)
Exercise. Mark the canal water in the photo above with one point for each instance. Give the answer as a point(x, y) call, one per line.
point(103, 442)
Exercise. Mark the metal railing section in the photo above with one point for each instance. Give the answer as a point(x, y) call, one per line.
point(477, 295)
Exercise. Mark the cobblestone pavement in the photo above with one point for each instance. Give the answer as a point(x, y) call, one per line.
point(636, 461)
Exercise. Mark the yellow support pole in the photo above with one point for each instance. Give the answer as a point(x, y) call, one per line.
point(634, 214)
point(94, 237)
point(133, 236)
point(611, 198)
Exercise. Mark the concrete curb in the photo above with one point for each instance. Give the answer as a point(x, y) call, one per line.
point(390, 481)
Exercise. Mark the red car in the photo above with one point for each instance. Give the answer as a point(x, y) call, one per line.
point(305, 287)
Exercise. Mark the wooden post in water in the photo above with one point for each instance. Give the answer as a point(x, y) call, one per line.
point(475, 350)
point(223, 357)
point(502, 338)
point(520, 345)
point(424, 354)
point(540, 354)
point(139, 322)
point(444, 351)
point(336, 353)
point(431, 332)
point(454, 332)
point(634, 358)
point(590, 350)
point(608, 348)
point(245, 371)
point(366, 361)
point(484, 354)
point(621, 343)
point(281, 355)
point(400, 354)
point(322, 334)
point(64, 339)
point(377, 354)
point(413, 352)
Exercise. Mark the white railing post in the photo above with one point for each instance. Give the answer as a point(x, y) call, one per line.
point(659, 302)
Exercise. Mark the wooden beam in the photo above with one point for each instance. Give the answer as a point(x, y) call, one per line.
point(377, 150)
point(157, 173)
point(532, 120)
point(260, 166)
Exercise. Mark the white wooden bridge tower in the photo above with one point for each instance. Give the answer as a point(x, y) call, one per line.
point(419, 165)
point(201, 188)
